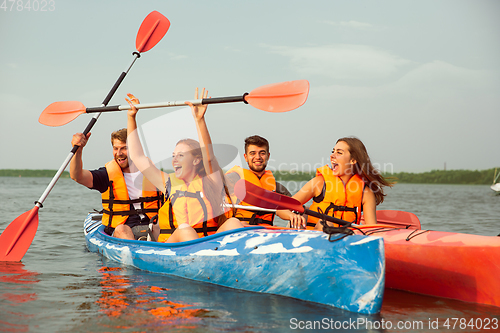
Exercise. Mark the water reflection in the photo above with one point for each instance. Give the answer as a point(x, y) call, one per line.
point(130, 300)
point(129, 304)
point(15, 290)
point(424, 313)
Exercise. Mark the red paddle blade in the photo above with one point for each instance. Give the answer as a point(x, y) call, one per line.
point(152, 30)
point(279, 97)
point(61, 113)
point(17, 237)
point(257, 196)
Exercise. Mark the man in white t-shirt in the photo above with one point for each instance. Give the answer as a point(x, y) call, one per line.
point(128, 204)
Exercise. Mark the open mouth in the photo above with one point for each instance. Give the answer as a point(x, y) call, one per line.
point(335, 166)
point(258, 162)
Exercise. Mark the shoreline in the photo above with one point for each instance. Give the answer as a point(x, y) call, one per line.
point(458, 177)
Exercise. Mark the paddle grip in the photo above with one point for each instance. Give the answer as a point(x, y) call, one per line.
point(113, 90)
point(103, 109)
point(326, 217)
point(85, 132)
point(219, 100)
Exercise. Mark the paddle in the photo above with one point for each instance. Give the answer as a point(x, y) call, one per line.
point(17, 237)
point(277, 97)
point(257, 196)
point(260, 209)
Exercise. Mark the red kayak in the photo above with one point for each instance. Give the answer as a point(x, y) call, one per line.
point(436, 263)
point(444, 264)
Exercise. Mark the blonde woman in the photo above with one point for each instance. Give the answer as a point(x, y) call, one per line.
point(194, 192)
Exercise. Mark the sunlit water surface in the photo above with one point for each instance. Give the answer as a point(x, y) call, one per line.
point(62, 287)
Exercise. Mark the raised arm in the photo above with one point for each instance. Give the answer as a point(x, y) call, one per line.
point(209, 161)
point(135, 151)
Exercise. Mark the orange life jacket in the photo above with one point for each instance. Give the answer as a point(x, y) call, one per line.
point(116, 204)
point(268, 182)
point(336, 199)
point(186, 204)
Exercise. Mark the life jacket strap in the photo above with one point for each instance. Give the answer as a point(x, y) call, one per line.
point(129, 212)
point(335, 208)
point(132, 210)
point(255, 219)
point(133, 201)
point(196, 195)
point(198, 230)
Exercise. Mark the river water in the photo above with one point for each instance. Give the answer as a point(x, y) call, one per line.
point(62, 287)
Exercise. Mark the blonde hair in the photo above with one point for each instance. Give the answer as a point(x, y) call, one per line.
point(213, 196)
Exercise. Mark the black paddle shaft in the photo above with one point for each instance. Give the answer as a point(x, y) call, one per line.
point(107, 99)
point(220, 100)
point(204, 101)
point(327, 217)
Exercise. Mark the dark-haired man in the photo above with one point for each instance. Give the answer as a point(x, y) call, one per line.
point(129, 200)
point(257, 156)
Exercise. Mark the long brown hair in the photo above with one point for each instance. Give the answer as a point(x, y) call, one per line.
point(365, 169)
point(209, 189)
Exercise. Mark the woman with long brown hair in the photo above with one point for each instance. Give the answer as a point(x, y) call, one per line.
point(345, 189)
point(194, 192)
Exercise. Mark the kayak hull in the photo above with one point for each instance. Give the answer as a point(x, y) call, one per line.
point(348, 273)
point(459, 266)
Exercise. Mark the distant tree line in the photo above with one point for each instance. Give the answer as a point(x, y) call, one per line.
point(293, 175)
point(30, 173)
point(472, 177)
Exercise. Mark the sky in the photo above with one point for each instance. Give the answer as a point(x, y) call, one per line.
point(417, 81)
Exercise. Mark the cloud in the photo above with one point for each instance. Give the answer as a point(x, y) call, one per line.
point(434, 113)
point(175, 56)
point(433, 80)
point(343, 62)
point(351, 25)
point(233, 49)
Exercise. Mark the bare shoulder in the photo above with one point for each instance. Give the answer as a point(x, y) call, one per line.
point(317, 184)
point(368, 195)
point(311, 189)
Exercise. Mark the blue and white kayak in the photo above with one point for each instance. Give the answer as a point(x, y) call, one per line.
point(347, 272)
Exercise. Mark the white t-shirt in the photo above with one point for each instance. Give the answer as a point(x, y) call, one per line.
point(134, 187)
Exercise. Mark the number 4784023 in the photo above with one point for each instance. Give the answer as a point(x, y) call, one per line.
point(28, 5)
